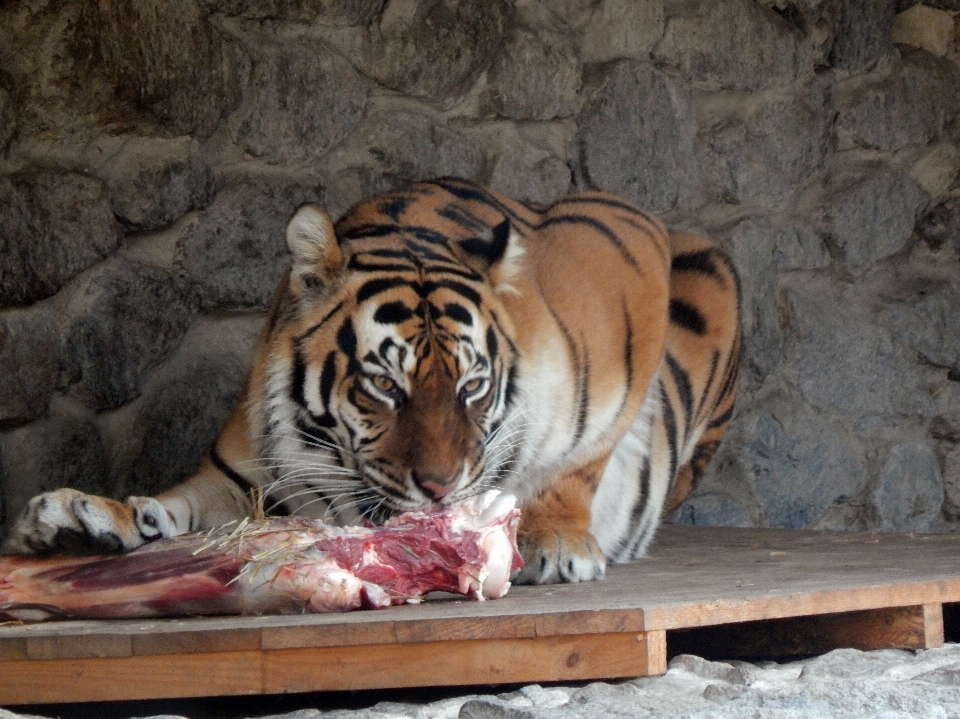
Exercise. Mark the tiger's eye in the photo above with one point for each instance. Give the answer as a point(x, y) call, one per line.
point(384, 384)
point(472, 386)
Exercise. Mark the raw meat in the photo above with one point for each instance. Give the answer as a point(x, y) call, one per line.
point(278, 566)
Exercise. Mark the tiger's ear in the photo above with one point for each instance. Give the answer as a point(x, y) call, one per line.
point(317, 257)
point(496, 253)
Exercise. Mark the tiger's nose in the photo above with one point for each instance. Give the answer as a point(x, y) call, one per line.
point(435, 486)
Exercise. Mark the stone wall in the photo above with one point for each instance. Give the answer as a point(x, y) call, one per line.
point(152, 152)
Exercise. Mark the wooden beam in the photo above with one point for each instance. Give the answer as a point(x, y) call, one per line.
point(479, 661)
point(913, 627)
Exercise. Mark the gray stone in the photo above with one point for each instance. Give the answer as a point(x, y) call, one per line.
point(29, 362)
point(526, 171)
point(911, 104)
point(867, 212)
point(761, 153)
point(636, 138)
point(714, 509)
point(52, 226)
point(621, 30)
point(332, 12)
point(711, 670)
point(433, 49)
point(751, 249)
point(64, 450)
point(851, 664)
point(797, 246)
point(155, 181)
point(535, 76)
point(736, 44)
point(122, 320)
point(909, 492)
point(165, 60)
point(800, 462)
point(235, 252)
point(860, 32)
point(393, 147)
point(159, 439)
point(924, 315)
point(841, 358)
point(939, 226)
point(304, 98)
point(8, 115)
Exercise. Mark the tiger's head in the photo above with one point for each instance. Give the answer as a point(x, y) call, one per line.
point(391, 368)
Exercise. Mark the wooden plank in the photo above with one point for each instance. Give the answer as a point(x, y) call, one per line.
point(158, 676)
point(695, 577)
point(915, 627)
point(482, 661)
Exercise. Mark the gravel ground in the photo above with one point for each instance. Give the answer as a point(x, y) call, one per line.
point(846, 683)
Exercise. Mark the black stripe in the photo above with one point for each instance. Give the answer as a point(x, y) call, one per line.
point(599, 227)
point(583, 400)
point(357, 264)
point(299, 377)
point(700, 263)
point(466, 190)
point(627, 362)
point(374, 287)
point(722, 419)
point(321, 323)
point(714, 366)
point(610, 202)
point(491, 343)
point(327, 377)
point(688, 317)
point(245, 485)
point(392, 313)
point(468, 292)
point(670, 425)
point(458, 313)
point(368, 230)
point(682, 381)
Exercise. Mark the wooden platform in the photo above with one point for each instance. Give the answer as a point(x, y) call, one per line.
point(748, 591)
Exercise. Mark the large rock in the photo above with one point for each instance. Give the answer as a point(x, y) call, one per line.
point(618, 29)
point(183, 407)
point(8, 115)
point(798, 246)
point(751, 249)
point(801, 463)
point(63, 450)
point(867, 212)
point(154, 181)
point(333, 12)
point(526, 169)
point(122, 320)
point(535, 76)
point(303, 99)
point(911, 104)
point(433, 49)
point(235, 252)
point(922, 311)
point(909, 491)
point(735, 44)
point(164, 59)
point(52, 226)
point(29, 362)
point(760, 150)
point(395, 146)
point(860, 32)
point(636, 138)
point(939, 226)
point(843, 359)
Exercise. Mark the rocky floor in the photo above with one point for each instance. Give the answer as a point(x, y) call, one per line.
point(846, 683)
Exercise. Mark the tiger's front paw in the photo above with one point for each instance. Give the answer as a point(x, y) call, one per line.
point(66, 520)
point(551, 556)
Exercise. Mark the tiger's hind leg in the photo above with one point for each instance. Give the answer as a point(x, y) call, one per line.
point(554, 535)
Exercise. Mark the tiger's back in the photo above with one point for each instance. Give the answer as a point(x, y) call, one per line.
point(442, 339)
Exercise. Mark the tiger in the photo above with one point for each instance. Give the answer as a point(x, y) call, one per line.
point(441, 340)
